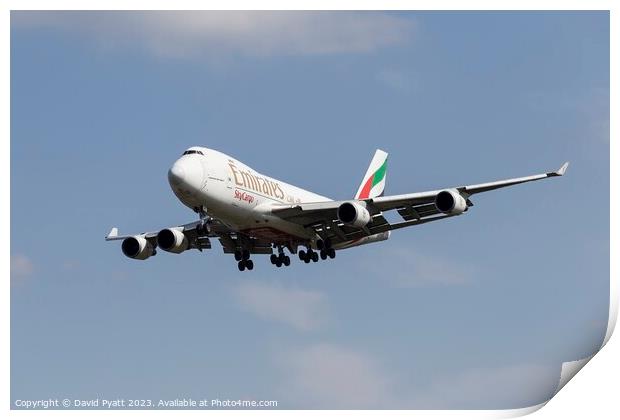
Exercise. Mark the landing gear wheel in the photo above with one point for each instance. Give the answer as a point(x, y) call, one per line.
point(323, 254)
point(315, 257)
point(279, 263)
point(249, 264)
point(302, 255)
point(241, 265)
point(328, 243)
point(245, 254)
point(238, 256)
point(306, 258)
point(273, 259)
point(332, 253)
point(287, 260)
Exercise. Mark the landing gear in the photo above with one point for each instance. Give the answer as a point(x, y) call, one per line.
point(203, 227)
point(324, 244)
point(280, 259)
point(309, 255)
point(244, 261)
point(326, 250)
point(243, 264)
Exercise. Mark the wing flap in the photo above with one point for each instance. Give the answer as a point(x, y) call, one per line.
point(415, 208)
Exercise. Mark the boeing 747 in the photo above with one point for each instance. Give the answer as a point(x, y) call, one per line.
point(250, 213)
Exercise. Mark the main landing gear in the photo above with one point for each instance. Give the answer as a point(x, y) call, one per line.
point(330, 252)
point(280, 259)
point(243, 256)
point(309, 255)
point(325, 248)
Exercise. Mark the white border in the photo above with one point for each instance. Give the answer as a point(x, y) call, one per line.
point(593, 391)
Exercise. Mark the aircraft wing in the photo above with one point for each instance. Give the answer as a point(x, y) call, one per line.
point(414, 208)
point(198, 239)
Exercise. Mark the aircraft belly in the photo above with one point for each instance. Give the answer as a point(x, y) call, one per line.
point(264, 226)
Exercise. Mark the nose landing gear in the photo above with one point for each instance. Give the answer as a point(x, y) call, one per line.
point(203, 227)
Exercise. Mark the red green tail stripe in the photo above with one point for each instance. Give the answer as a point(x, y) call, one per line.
point(373, 180)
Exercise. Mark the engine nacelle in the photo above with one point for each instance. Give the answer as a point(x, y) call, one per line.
point(354, 214)
point(137, 247)
point(450, 202)
point(172, 240)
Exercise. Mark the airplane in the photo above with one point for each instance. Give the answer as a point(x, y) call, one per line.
point(253, 214)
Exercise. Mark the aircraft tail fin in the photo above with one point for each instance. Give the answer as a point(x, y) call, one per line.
point(373, 184)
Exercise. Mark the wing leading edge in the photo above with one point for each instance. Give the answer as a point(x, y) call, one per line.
point(200, 239)
point(414, 208)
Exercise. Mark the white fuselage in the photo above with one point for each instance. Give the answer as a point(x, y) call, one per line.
point(237, 195)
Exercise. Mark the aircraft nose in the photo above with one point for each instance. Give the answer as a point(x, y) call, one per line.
point(176, 174)
point(186, 173)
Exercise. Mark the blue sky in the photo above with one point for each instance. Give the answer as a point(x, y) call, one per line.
point(473, 312)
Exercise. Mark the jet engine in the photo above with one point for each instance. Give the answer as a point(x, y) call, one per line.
point(450, 202)
point(172, 240)
point(354, 214)
point(137, 247)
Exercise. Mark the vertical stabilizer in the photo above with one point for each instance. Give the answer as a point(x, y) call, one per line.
point(373, 184)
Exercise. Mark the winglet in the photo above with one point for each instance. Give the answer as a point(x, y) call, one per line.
point(113, 234)
point(562, 169)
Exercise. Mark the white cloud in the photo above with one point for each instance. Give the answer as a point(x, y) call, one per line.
point(21, 266)
point(419, 270)
point(491, 388)
point(326, 376)
point(302, 309)
point(213, 33)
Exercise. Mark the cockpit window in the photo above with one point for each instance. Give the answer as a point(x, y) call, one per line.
point(191, 152)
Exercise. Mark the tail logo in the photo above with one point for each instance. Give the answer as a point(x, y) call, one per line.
point(374, 180)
